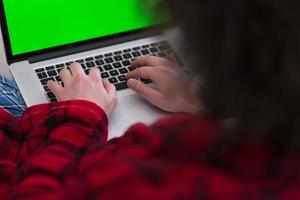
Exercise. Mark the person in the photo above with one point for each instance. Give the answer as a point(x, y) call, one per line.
point(234, 133)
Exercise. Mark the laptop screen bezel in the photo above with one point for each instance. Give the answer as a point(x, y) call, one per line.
point(25, 56)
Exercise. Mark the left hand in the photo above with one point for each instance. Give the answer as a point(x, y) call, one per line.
point(78, 85)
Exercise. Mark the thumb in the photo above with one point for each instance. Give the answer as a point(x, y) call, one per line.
point(55, 88)
point(152, 95)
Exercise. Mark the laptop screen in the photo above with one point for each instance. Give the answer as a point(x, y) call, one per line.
point(35, 25)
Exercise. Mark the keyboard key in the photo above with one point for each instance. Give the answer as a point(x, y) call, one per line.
point(90, 64)
point(99, 57)
point(58, 66)
point(83, 66)
point(50, 95)
point(53, 100)
point(58, 79)
point(121, 86)
point(42, 75)
point(39, 70)
point(145, 46)
point(118, 52)
point(145, 52)
point(52, 73)
point(46, 88)
point(118, 58)
point(87, 71)
point(126, 63)
point(99, 62)
point(89, 59)
point(114, 73)
point(109, 60)
point(127, 50)
point(113, 80)
point(161, 54)
point(127, 56)
point(45, 81)
point(131, 68)
point(107, 67)
point(104, 75)
point(136, 48)
point(101, 69)
point(80, 61)
point(108, 55)
point(68, 63)
point(153, 50)
point(123, 71)
point(50, 67)
point(136, 54)
point(58, 70)
point(122, 78)
point(117, 65)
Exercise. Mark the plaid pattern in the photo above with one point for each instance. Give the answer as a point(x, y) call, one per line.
point(10, 97)
point(60, 151)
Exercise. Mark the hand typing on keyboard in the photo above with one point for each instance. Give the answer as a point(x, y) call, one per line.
point(91, 87)
point(173, 91)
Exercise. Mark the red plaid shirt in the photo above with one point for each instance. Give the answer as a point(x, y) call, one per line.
point(60, 151)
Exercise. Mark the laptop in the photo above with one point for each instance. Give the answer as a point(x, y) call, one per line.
point(43, 37)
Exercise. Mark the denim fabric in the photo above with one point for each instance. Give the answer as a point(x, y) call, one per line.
point(10, 97)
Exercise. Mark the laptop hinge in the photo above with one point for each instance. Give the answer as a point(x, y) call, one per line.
point(72, 50)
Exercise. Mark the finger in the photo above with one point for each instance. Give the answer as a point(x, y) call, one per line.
point(110, 89)
point(55, 88)
point(143, 72)
point(65, 75)
point(152, 95)
point(95, 73)
point(151, 61)
point(76, 68)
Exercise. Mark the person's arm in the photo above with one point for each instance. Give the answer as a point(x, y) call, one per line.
point(63, 166)
point(10, 142)
point(58, 141)
point(59, 135)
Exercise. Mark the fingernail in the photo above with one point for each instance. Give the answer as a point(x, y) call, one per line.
point(130, 82)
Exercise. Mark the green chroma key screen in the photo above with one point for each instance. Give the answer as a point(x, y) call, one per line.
point(40, 24)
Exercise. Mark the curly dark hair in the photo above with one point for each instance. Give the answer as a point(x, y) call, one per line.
point(247, 53)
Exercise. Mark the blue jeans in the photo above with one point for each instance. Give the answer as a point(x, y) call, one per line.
point(10, 97)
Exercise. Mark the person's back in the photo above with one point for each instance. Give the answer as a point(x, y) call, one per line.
point(239, 138)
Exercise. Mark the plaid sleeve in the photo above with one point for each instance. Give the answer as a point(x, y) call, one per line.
point(66, 156)
point(58, 134)
point(11, 140)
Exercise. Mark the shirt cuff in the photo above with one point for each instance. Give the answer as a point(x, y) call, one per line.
point(51, 115)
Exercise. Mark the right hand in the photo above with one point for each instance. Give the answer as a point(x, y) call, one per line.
point(78, 85)
point(173, 92)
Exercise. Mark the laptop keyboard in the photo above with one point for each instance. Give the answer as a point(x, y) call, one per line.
point(113, 65)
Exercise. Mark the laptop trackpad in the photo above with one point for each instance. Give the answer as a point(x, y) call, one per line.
point(130, 110)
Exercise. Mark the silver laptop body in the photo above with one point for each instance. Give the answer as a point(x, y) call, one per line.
point(131, 107)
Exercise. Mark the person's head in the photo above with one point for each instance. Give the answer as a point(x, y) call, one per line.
point(247, 53)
